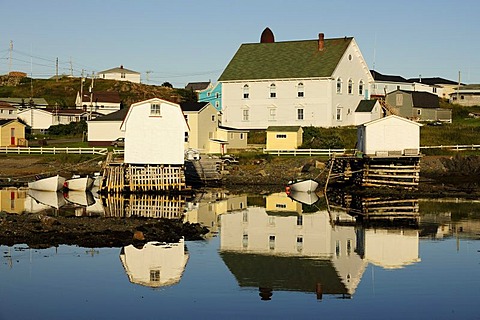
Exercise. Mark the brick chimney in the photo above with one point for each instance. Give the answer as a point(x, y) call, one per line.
point(321, 41)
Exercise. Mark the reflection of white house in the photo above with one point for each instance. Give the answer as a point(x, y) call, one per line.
point(120, 74)
point(391, 249)
point(156, 264)
point(155, 133)
point(105, 129)
point(389, 134)
point(256, 242)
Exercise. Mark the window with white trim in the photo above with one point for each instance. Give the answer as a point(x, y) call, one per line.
point(360, 87)
point(155, 109)
point(273, 90)
point(350, 86)
point(281, 136)
point(245, 115)
point(272, 114)
point(339, 114)
point(339, 85)
point(300, 90)
point(246, 92)
point(300, 114)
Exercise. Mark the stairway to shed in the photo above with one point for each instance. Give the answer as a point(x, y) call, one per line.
point(205, 171)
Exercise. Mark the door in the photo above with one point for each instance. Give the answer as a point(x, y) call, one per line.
point(12, 136)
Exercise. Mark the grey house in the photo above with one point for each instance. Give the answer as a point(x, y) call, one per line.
point(418, 106)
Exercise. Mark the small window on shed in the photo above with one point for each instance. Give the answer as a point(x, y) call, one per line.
point(155, 109)
point(273, 91)
point(281, 136)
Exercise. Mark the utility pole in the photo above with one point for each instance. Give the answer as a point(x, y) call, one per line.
point(91, 96)
point(81, 91)
point(56, 70)
point(148, 76)
point(458, 88)
point(10, 59)
point(71, 68)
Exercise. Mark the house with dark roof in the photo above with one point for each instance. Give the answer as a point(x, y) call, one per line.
point(103, 102)
point(7, 111)
point(102, 131)
point(198, 86)
point(294, 83)
point(440, 86)
point(368, 110)
point(205, 133)
point(40, 120)
point(120, 74)
point(418, 106)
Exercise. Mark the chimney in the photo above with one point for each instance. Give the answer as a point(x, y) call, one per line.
point(121, 66)
point(321, 42)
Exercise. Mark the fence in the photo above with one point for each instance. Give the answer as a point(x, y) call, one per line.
point(52, 150)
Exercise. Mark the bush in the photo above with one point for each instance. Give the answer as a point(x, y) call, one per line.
point(73, 128)
point(321, 138)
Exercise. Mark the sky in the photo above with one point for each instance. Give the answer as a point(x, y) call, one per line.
point(181, 41)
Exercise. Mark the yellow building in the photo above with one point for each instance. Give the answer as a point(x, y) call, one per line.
point(284, 138)
point(12, 133)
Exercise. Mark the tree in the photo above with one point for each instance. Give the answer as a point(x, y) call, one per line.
point(167, 84)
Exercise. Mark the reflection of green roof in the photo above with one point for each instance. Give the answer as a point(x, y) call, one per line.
point(283, 273)
point(283, 128)
point(285, 60)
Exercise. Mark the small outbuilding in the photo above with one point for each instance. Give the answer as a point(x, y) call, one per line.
point(389, 136)
point(12, 133)
point(284, 137)
point(155, 133)
point(367, 110)
point(102, 131)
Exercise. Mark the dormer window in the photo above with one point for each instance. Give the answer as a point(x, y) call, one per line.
point(246, 93)
point(273, 91)
point(300, 90)
point(339, 85)
point(155, 109)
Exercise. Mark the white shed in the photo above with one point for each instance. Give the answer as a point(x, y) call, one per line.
point(155, 133)
point(102, 131)
point(392, 135)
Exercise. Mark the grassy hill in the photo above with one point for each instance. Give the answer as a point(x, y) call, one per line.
point(64, 91)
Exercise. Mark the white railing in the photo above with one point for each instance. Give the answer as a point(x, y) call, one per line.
point(53, 150)
point(309, 152)
point(454, 147)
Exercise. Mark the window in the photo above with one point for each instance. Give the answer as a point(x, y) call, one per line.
point(217, 95)
point(208, 94)
point(399, 100)
point(11, 111)
point(154, 275)
point(349, 246)
point(299, 114)
point(339, 114)
point(281, 136)
point(462, 97)
point(419, 111)
point(155, 109)
point(350, 86)
point(273, 91)
point(299, 220)
point(272, 114)
point(299, 243)
point(434, 90)
point(122, 75)
point(337, 248)
point(339, 85)
point(241, 136)
point(186, 137)
point(245, 115)
point(300, 90)
point(271, 242)
point(186, 117)
point(245, 241)
point(217, 104)
point(213, 118)
point(246, 93)
point(280, 205)
point(360, 87)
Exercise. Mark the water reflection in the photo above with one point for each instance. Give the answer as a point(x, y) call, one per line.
point(156, 264)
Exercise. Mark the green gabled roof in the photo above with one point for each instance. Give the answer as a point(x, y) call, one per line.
point(283, 128)
point(285, 60)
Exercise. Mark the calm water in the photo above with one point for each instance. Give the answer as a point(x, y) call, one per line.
point(266, 257)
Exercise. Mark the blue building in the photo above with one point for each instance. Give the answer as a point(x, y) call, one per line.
point(212, 95)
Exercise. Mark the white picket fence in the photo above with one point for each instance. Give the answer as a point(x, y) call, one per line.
point(53, 150)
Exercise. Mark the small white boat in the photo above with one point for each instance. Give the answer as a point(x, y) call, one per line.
point(307, 198)
point(308, 185)
point(77, 183)
point(54, 183)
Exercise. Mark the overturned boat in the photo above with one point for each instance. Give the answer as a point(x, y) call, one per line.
point(54, 183)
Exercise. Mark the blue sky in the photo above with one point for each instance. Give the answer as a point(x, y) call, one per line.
point(183, 41)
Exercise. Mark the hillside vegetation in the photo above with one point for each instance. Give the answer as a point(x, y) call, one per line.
point(64, 91)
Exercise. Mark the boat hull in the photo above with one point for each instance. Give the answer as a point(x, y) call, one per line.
point(79, 184)
point(308, 185)
point(54, 183)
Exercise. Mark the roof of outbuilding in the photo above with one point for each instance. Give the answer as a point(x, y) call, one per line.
point(366, 105)
point(114, 116)
point(5, 121)
point(285, 60)
point(192, 106)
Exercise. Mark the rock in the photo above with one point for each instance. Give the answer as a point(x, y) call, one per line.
point(48, 221)
point(138, 235)
point(262, 173)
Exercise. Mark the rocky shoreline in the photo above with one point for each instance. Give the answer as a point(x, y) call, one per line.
point(440, 177)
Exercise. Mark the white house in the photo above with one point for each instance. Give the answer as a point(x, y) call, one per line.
point(155, 133)
point(120, 74)
point(392, 134)
point(294, 83)
point(41, 119)
point(102, 131)
point(7, 111)
point(103, 102)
